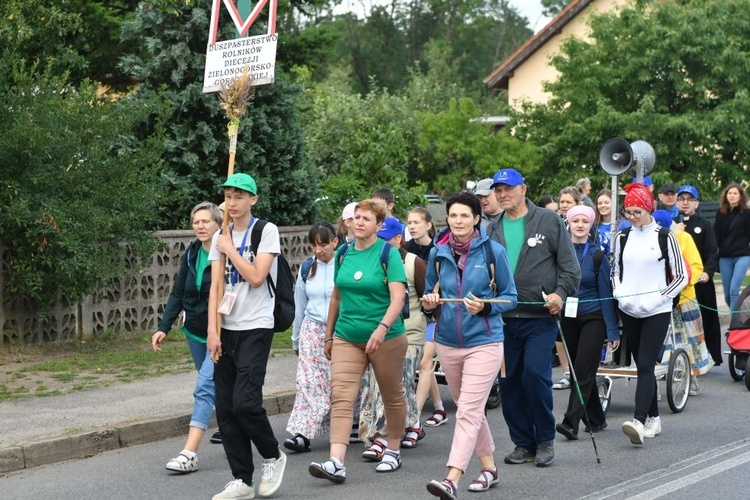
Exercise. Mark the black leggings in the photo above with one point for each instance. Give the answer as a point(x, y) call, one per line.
point(645, 338)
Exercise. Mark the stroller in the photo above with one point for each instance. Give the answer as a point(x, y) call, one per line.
point(738, 338)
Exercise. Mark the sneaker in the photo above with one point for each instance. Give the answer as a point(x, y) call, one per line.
point(634, 430)
point(273, 473)
point(390, 462)
point(444, 489)
point(298, 443)
point(545, 454)
point(652, 427)
point(693, 386)
point(563, 383)
point(183, 463)
point(487, 479)
point(438, 418)
point(216, 438)
point(331, 469)
point(236, 490)
point(519, 456)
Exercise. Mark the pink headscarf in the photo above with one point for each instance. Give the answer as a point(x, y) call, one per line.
point(581, 210)
point(639, 196)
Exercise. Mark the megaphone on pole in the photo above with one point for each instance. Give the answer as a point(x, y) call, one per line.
point(617, 157)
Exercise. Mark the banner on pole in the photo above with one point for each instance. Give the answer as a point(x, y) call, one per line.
point(225, 60)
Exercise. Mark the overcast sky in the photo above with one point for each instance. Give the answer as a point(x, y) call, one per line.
point(530, 9)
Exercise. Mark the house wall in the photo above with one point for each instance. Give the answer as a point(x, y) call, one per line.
point(526, 82)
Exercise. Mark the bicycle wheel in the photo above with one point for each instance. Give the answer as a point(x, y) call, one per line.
point(604, 387)
point(493, 401)
point(735, 372)
point(678, 380)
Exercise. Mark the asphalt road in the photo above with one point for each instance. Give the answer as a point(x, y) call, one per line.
point(703, 452)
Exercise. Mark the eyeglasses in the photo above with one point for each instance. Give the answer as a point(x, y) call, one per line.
point(634, 215)
point(684, 199)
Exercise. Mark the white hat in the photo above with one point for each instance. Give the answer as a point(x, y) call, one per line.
point(348, 212)
point(484, 187)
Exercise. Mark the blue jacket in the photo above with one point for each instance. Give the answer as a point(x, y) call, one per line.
point(595, 292)
point(455, 326)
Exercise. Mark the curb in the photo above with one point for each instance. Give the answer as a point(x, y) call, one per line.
point(89, 443)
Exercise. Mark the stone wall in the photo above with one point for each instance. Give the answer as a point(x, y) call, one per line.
point(132, 303)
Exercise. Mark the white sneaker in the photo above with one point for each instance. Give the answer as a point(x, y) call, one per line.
point(236, 490)
point(563, 383)
point(273, 473)
point(652, 427)
point(694, 386)
point(634, 430)
point(183, 463)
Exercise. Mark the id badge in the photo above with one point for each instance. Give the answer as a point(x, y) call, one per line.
point(227, 302)
point(571, 307)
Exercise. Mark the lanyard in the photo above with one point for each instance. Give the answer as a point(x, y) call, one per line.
point(235, 274)
point(583, 255)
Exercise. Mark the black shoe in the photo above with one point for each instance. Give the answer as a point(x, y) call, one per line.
point(567, 430)
point(596, 428)
point(545, 454)
point(216, 438)
point(298, 443)
point(519, 456)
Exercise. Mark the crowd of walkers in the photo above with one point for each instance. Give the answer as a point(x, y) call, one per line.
point(505, 287)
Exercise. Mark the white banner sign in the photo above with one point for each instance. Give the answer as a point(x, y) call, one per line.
point(227, 60)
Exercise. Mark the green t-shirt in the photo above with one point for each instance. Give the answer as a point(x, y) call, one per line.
point(201, 263)
point(514, 230)
point(364, 296)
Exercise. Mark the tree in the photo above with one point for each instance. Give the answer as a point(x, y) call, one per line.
point(170, 67)
point(76, 184)
point(677, 82)
point(553, 7)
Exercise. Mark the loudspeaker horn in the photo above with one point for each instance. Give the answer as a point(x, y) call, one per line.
point(616, 156)
point(644, 157)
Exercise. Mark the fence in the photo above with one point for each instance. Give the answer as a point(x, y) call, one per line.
point(132, 303)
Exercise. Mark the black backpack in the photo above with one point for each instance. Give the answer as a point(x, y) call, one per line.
point(384, 253)
point(283, 289)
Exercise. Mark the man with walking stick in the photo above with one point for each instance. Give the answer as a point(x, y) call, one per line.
point(543, 261)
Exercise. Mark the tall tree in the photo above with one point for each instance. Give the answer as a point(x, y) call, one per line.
point(553, 7)
point(678, 82)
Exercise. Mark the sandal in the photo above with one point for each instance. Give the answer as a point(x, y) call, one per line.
point(444, 489)
point(391, 461)
point(298, 443)
point(486, 480)
point(412, 437)
point(375, 452)
point(438, 418)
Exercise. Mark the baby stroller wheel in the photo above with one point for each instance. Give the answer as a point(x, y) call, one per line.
point(736, 373)
point(678, 380)
point(604, 387)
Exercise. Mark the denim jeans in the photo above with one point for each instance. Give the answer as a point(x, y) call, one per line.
point(204, 387)
point(733, 271)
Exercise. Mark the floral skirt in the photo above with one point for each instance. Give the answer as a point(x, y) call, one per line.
point(372, 412)
point(312, 404)
point(688, 332)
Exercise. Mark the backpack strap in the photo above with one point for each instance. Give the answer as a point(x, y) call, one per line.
point(305, 268)
point(598, 257)
point(489, 259)
point(343, 251)
point(663, 232)
point(623, 239)
point(385, 253)
point(255, 236)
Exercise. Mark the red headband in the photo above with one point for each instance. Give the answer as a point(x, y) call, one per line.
point(639, 196)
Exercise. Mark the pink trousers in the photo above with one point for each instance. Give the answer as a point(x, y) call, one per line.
point(470, 373)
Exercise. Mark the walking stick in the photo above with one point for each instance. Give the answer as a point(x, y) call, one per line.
point(575, 382)
point(234, 100)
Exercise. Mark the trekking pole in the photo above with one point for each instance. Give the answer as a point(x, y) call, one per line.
point(575, 382)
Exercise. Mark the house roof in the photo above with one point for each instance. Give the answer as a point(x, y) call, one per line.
point(498, 79)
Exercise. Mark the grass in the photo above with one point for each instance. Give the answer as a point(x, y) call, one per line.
point(52, 369)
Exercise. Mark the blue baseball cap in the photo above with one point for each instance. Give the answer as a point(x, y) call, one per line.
point(663, 218)
point(691, 190)
point(508, 176)
point(646, 181)
point(391, 227)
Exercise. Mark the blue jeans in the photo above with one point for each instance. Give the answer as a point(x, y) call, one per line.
point(526, 391)
point(733, 271)
point(204, 387)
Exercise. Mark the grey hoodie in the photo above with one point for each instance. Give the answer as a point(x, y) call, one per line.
point(548, 265)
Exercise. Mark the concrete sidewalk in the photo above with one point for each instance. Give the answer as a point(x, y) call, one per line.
point(38, 431)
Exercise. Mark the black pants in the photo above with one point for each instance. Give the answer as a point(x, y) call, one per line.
point(705, 294)
point(239, 377)
point(646, 338)
point(584, 337)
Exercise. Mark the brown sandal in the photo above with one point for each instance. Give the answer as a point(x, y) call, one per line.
point(412, 437)
point(375, 452)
